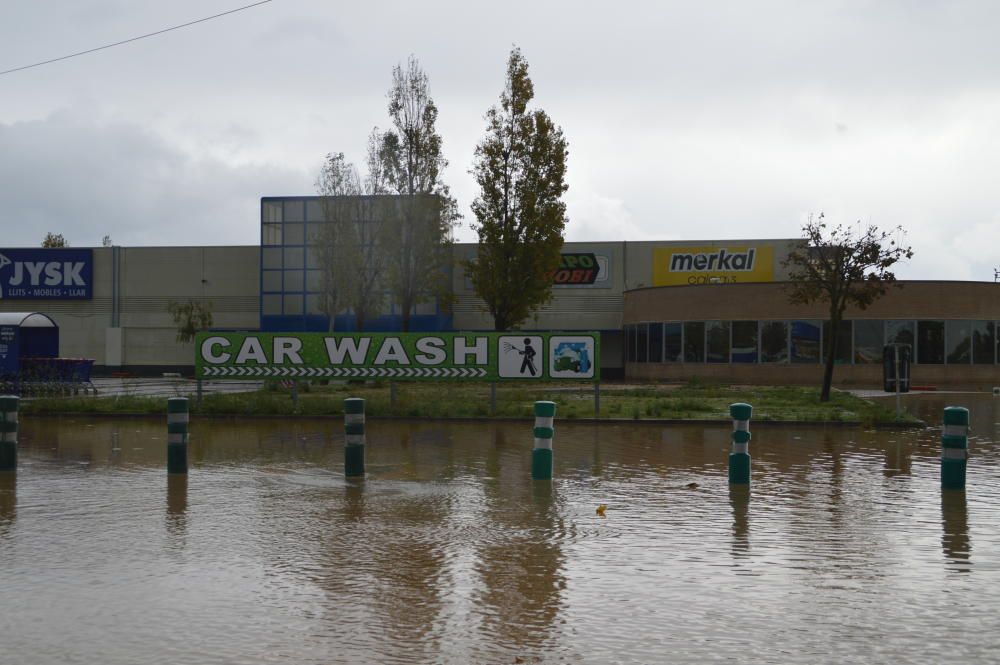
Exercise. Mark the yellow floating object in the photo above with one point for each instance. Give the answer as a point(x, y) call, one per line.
point(600, 509)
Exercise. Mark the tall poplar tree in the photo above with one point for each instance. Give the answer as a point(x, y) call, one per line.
point(419, 248)
point(520, 166)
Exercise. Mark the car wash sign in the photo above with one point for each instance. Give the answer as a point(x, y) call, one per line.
point(46, 274)
point(399, 356)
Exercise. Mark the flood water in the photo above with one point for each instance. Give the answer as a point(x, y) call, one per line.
point(844, 549)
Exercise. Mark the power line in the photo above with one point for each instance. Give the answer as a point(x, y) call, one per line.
point(133, 39)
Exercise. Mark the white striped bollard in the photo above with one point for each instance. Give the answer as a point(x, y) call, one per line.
point(541, 456)
point(8, 432)
point(354, 436)
point(739, 458)
point(177, 435)
point(954, 447)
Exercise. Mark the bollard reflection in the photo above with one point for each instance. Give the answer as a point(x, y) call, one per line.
point(739, 500)
point(8, 500)
point(177, 502)
point(955, 540)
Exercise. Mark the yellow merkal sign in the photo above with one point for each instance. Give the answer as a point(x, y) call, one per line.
point(674, 266)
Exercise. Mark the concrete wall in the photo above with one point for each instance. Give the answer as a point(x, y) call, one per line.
point(148, 278)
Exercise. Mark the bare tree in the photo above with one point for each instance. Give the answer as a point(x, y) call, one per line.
point(412, 162)
point(842, 266)
point(349, 243)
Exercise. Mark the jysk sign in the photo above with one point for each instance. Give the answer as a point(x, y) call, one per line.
point(46, 274)
point(401, 356)
point(674, 266)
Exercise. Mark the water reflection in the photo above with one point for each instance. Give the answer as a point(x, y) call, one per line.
point(520, 564)
point(448, 552)
point(739, 500)
point(177, 502)
point(8, 500)
point(955, 529)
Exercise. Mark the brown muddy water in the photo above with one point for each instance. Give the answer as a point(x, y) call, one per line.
point(844, 550)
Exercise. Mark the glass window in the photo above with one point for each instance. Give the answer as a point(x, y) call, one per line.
point(295, 234)
point(868, 340)
point(270, 304)
point(774, 341)
point(271, 234)
point(270, 257)
point(744, 349)
point(694, 342)
point(293, 304)
point(641, 341)
point(845, 339)
point(271, 211)
point(930, 342)
point(900, 332)
point(294, 280)
point(958, 340)
point(672, 349)
point(295, 211)
point(314, 304)
point(315, 232)
point(272, 280)
point(314, 280)
point(293, 257)
point(314, 211)
point(805, 342)
point(630, 343)
point(982, 342)
point(655, 342)
point(717, 336)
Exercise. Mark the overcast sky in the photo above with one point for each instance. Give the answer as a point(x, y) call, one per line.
point(686, 120)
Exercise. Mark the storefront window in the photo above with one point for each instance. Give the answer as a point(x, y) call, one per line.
point(744, 348)
point(844, 337)
point(930, 342)
point(641, 342)
point(983, 333)
point(868, 340)
point(672, 349)
point(694, 342)
point(805, 341)
point(958, 341)
point(900, 332)
point(655, 342)
point(717, 335)
point(774, 342)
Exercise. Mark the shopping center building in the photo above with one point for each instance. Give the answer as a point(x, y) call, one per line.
point(671, 310)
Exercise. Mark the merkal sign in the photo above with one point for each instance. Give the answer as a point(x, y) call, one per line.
point(46, 274)
point(399, 356)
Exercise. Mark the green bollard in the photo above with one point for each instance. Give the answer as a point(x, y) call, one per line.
point(954, 447)
point(177, 435)
point(354, 437)
point(739, 459)
point(8, 432)
point(541, 456)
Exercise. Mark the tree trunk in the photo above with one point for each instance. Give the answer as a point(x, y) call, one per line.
point(831, 356)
